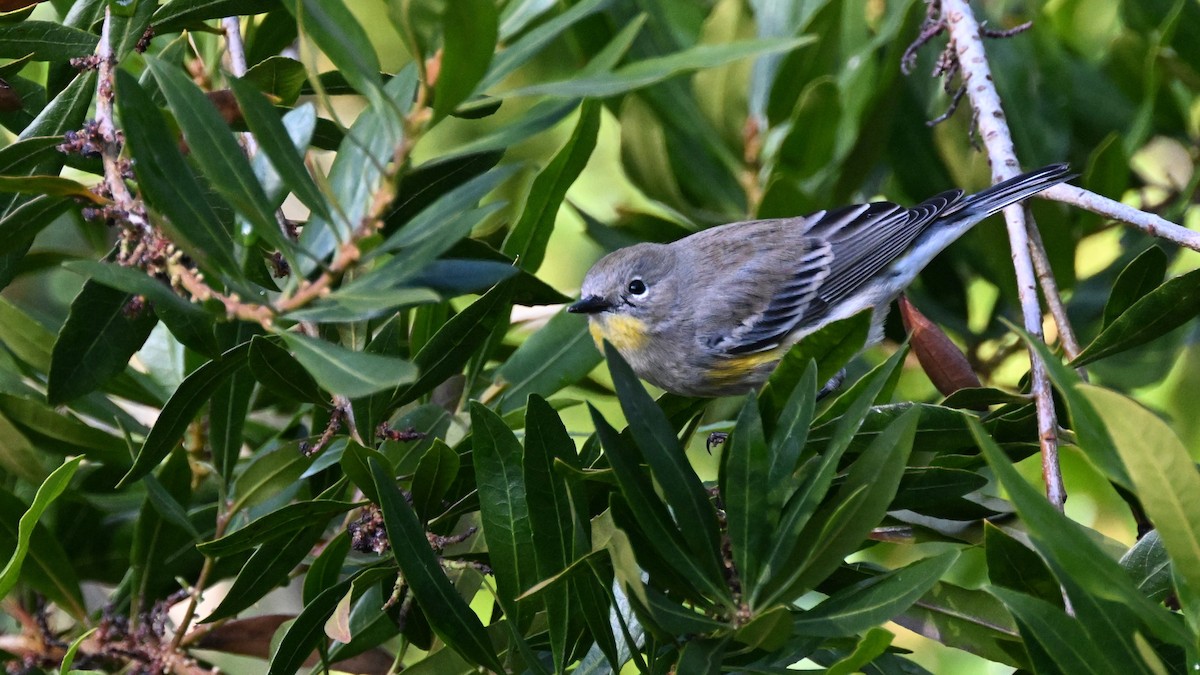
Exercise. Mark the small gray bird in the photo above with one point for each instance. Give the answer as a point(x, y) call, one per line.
point(712, 313)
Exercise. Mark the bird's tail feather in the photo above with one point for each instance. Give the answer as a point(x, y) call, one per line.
point(986, 202)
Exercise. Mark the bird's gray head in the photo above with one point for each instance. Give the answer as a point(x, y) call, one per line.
point(637, 281)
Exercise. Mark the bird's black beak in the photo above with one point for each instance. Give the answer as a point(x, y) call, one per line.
point(591, 304)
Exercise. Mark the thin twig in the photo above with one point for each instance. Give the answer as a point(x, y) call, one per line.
point(1058, 310)
point(966, 35)
point(1110, 208)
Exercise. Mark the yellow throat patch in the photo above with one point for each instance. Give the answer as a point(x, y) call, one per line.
point(625, 333)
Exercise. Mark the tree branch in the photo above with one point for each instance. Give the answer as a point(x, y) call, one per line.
point(1110, 208)
point(966, 37)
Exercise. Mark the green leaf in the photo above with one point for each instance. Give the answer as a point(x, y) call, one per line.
point(1014, 566)
point(20, 225)
point(971, 620)
point(790, 436)
point(450, 617)
point(654, 518)
point(1163, 473)
point(74, 435)
point(27, 155)
point(269, 476)
point(1138, 278)
point(218, 153)
point(535, 40)
point(46, 567)
point(178, 14)
point(814, 130)
point(1055, 633)
point(434, 476)
point(68, 658)
point(280, 372)
point(537, 119)
point(325, 570)
point(1070, 551)
point(689, 503)
point(267, 569)
point(749, 517)
point(469, 32)
point(179, 411)
point(499, 478)
point(1158, 312)
point(528, 238)
point(561, 533)
point(1149, 565)
point(54, 186)
point(859, 504)
point(168, 184)
point(27, 339)
point(559, 354)
point(46, 40)
point(188, 322)
point(872, 645)
point(653, 70)
point(831, 347)
point(50, 489)
point(875, 601)
point(19, 457)
point(702, 656)
point(278, 76)
point(347, 372)
point(307, 630)
point(96, 341)
point(272, 136)
point(343, 40)
point(456, 342)
point(168, 508)
point(275, 524)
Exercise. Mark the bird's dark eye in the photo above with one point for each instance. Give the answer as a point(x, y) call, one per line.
point(637, 287)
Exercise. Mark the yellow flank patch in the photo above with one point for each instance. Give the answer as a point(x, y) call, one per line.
point(737, 367)
point(624, 332)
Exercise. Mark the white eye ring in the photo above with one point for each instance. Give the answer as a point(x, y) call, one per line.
point(637, 287)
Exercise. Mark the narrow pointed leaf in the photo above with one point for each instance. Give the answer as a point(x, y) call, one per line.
point(347, 372)
point(50, 490)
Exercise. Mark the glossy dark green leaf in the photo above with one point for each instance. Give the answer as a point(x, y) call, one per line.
point(339, 35)
point(1069, 550)
point(435, 473)
point(188, 322)
point(422, 186)
point(347, 372)
point(859, 504)
point(168, 508)
point(53, 186)
point(19, 457)
point(25, 155)
point(456, 342)
point(537, 119)
point(19, 226)
point(45, 568)
point(355, 462)
point(1014, 566)
point(230, 403)
point(46, 40)
point(327, 567)
point(500, 480)
point(1149, 566)
point(272, 136)
point(968, 619)
point(748, 514)
point(50, 490)
point(1155, 314)
point(889, 371)
point(160, 550)
point(278, 76)
point(450, 617)
point(831, 347)
point(218, 153)
point(303, 636)
point(1141, 276)
point(692, 510)
point(73, 435)
point(96, 341)
point(275, 524)
point(280, 372)
point(270, 475)
point(268, 568)
point(560, 536)
point(168, 184)
point(789, 436)
point(702, 656)
point(130, 21)
point(1055, 632)
point(653, 516)
point(653, 70)
point(181, 409)
point(925, 487)
point(558, 355)
point(528, 238)
point(27, 339)
point(177, 14)
point(469, 32)
point(875, 601)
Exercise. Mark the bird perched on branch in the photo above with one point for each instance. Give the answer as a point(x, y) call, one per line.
point(713, 313)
